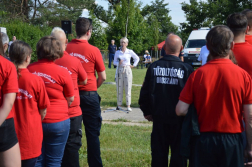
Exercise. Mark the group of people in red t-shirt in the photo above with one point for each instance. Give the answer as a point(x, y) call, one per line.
point(221, 92)
point(43, 103)
point(40, 113)
point(216, 100)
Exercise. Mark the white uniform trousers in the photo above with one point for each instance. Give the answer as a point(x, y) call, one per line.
point(124, 80)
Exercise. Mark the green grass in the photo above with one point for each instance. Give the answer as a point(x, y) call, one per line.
point(122, 146)
point(108, 92)
point(120, 120)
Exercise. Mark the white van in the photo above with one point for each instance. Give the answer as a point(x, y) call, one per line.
point(193, 45)
point(3, 29)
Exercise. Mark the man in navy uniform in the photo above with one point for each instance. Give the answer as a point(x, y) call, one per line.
point(159, 95)
point(112, 49)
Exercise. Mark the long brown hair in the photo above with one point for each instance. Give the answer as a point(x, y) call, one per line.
point(19, 50)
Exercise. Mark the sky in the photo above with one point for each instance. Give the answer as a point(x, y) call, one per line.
point(174, 6)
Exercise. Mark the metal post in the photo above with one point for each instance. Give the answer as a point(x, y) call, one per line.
point(126, 32)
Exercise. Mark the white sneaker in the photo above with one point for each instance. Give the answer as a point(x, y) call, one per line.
point(129, 109)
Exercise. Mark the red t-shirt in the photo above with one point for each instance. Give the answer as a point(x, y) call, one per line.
point(242, 53)
point(91, 59)
point(218, 90)
point(248, 38)
point(77, 72)
point(8, 80)
point(31, 97)
point(59, 85)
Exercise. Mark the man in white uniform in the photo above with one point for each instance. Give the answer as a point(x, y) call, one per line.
point(203, 55)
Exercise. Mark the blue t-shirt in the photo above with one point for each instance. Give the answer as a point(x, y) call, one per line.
point(112, 48)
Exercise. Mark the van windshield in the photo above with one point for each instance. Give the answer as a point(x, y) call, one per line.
point(197, 43)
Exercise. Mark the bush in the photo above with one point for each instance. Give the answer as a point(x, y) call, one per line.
point(27, 33)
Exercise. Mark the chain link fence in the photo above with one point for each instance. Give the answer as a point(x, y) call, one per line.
point(105, 55)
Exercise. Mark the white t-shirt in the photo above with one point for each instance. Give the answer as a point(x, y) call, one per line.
point(204, 52)
point(125, 57)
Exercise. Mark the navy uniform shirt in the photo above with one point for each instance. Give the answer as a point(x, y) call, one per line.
point(112, 48)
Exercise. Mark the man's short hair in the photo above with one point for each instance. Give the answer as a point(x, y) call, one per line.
point(248, 14)
point(219, 41)
point(5, 38)
point(56, 30)
point(49, 48)
point(238, 23)
point(82, 26)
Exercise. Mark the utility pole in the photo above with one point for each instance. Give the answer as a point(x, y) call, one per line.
point(126, 32)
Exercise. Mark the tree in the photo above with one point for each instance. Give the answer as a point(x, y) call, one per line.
point(27, 33)
point(161, 11)
point(135, 28)
point(99, 37)
point(196, 14)
point(211, 12)
point(44, 12)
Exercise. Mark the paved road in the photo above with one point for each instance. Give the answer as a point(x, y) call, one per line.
point(135, 115)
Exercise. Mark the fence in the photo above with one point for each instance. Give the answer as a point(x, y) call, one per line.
point(154, 54)
point(105, 55)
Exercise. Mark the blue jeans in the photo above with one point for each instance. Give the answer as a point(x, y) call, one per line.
point(111, 58)
point(91, 111)
point(54, 140)
point(71, 153)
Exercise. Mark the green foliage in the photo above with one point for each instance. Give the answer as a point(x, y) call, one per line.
point(160, 10)
point(27, 33)
point(99, 37)
point(135, 29)
point(208, 13)
point(47, 12)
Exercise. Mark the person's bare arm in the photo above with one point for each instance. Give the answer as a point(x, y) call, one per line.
point(8, 101)
point(248, 128)
point(182, 58)
point(70, 100)
point(101, 78)
point(42, 113)
point(182, 108)
point(82, 82)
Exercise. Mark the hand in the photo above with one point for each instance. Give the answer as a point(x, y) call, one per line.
point(120, 62)
point(148, 117)
point(131, 66)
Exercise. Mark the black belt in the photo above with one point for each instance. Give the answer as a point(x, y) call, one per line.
point(87, 93)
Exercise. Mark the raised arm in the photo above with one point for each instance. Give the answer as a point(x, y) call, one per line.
point(135, 57)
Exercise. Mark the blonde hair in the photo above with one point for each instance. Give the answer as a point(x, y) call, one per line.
point(56, 30)
point(124, 39)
